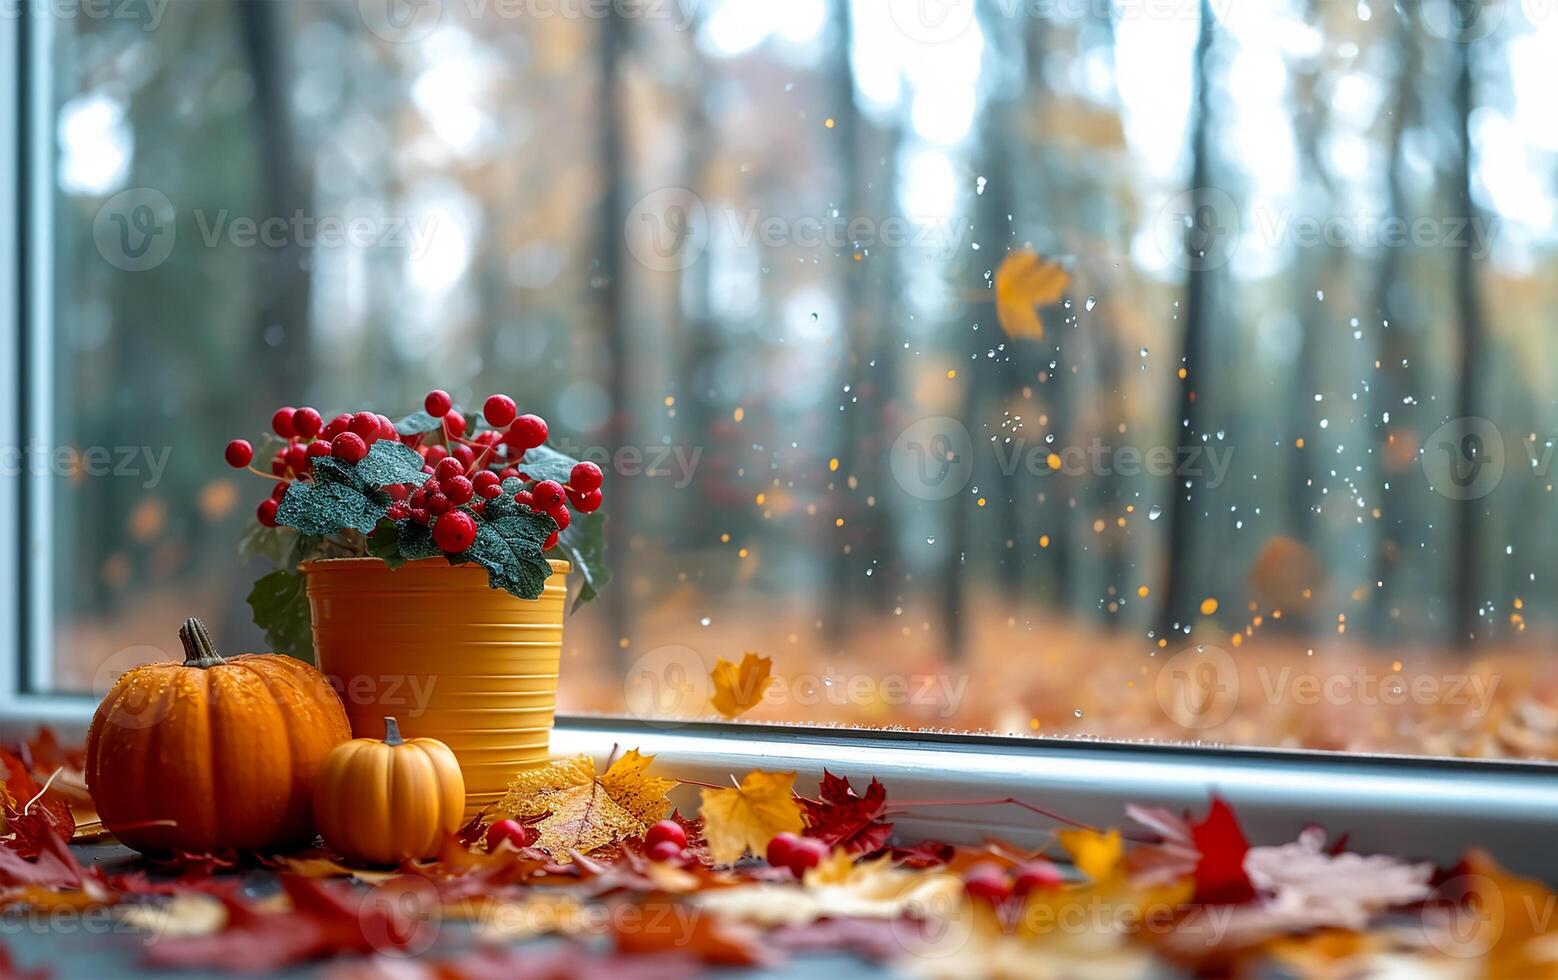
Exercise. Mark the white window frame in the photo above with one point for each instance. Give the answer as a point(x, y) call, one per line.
point(1426, 808)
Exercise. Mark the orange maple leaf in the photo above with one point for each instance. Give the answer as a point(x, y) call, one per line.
point(739, 689)
point(581, 812)
point(1025, 281)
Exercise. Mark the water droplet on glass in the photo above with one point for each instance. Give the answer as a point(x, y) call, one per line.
point(705, 621)
point(1155, 513)
point(1092, 301)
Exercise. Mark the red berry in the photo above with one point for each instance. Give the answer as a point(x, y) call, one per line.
point(280, 491)
point(454, 423)
point(399, 510)
point(523, 498)
point(512, 831)
point(398, 491)
point(781, 848)
point(266, 512)
point(807, 852)
point(418, 498)
point(527, 432)
point(508, 473)
point(454, 532)
point(366, 425)
point(420, 515)
point(281, 423)
point(499, 411)
point(306, 423)
point(586, 503)
point(666, 830)
point(438, 504)
point(465, 454)
point(664, 851)
point(297, 457)
point(438, 403)
point(348, 447)
point(551, 542)
point(278, 464)
point(560, 515)
point(459, 490)
point(479, 507)
point(1036, 876)
point(584, 477)
point(547, 494)
point(436, 455)
point(431, 486)
point(447, 467)
point(487, 484)
point(336, 426)
point(387, 428)
point(490, 438)
point(318, 448)
point(987, 881)
point(239, 453)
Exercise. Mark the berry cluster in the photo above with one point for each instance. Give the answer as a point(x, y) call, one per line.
point(994, 883)
point(795, 852)
point(466, 465)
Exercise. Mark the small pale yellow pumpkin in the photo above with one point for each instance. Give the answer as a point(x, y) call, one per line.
point(391, 801)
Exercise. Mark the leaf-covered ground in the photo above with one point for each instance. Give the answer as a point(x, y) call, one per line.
point(1161, 894)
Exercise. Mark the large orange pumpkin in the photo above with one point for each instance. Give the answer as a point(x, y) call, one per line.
point(214, 753)
point(384, 802)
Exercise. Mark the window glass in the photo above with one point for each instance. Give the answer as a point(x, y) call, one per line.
point(1121, 370)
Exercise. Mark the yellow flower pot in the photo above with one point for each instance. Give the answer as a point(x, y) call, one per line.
point(450, 658)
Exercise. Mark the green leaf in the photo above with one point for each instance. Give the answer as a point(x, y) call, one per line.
point(501, 506)
point(546, 463)
point(584, 542)
point(388, 462)
point(326, 507)
point(280, 604)
point(419, 422)
point(416, 541)
point(384, 543)
point(510, 550)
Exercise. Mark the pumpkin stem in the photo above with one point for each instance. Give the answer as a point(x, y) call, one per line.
point(199, 651)
point(392, 732)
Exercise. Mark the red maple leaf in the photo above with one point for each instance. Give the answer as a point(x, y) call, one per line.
point(20, 792)
point(1219, 873)
point(843, 818)
point(51, 864)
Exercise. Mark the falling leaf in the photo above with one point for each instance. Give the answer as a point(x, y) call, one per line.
point(1342, 890)
point(579, 812)
point(738, 690)
point(1027, 280)
point(1095, 855)
point(843, 819)
point(747, 817)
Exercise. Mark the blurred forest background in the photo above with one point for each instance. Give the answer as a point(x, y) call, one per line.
point(520, 143)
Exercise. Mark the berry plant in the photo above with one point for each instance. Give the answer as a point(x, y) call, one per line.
point(486, 490)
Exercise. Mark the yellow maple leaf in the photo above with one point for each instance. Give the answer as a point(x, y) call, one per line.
point(1025, 281)
point(1095, 855)
point(747, 817)
point(582, 813)
point(838, 888)
point(739, 689)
